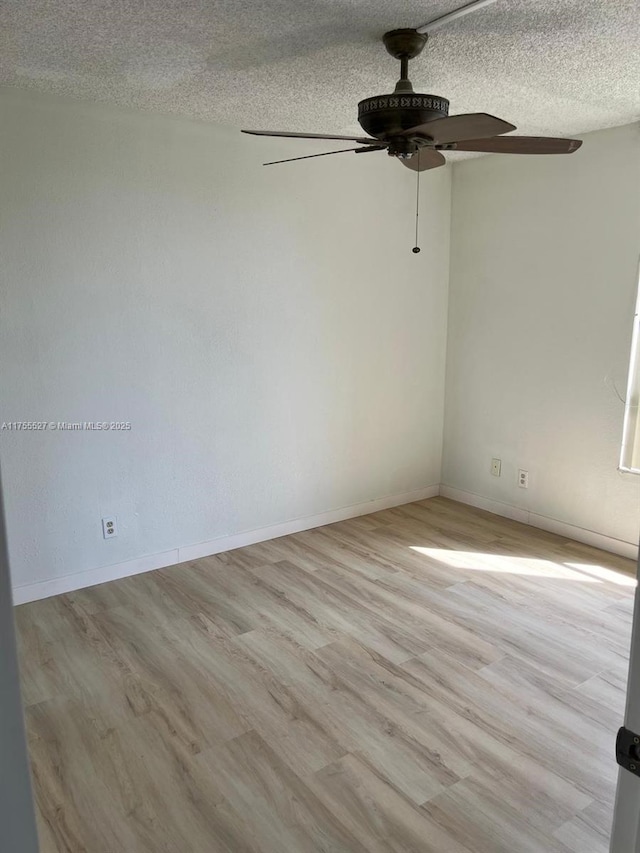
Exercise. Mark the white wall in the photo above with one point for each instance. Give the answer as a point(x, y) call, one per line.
point(17, 816)
point(277, 347)
point(275, 344)
point(544, 263)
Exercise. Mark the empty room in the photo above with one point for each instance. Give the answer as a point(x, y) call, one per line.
point(320, 473)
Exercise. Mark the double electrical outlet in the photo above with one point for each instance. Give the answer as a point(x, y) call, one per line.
point(523, 476)
point(110, 527)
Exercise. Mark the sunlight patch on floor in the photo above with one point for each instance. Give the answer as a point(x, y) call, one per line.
point(535, 567)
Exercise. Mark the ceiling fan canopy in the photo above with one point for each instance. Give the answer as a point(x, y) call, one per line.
point(415, 127)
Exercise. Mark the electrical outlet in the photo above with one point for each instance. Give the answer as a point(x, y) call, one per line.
point(523, 479)
point(496, 467)
point(110, 527)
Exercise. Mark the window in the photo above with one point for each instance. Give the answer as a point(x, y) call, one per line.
point(630, 453)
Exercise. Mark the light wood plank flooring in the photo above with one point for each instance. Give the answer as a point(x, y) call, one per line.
point(431, 679)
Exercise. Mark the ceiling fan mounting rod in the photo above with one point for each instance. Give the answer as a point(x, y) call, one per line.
point(404, 45)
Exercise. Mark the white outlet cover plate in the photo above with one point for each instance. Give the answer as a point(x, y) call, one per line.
point(110, 527)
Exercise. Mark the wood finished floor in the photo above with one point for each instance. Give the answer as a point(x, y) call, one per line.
point(336, 690)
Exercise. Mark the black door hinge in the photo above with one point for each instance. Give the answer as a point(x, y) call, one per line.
point(628, 750)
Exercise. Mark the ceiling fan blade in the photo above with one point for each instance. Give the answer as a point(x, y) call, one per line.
point(520, 145)
point(364, 140)
point(323, 154)
point(425, 159)
point(381, 147)
point(458, 128)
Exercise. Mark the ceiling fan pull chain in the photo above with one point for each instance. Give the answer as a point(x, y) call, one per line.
point(416, 248)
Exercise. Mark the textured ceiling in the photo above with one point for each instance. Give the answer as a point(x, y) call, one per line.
point(549, 66)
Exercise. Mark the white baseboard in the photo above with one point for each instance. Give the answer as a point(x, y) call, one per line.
point(262, 534)
point(562, 528)
point(91, 577)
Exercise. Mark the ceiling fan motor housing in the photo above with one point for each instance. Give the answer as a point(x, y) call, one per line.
point(385, 116)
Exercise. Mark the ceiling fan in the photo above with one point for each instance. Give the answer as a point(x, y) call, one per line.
point(417, 128)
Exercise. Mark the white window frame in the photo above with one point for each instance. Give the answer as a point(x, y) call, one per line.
point(630, 450)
